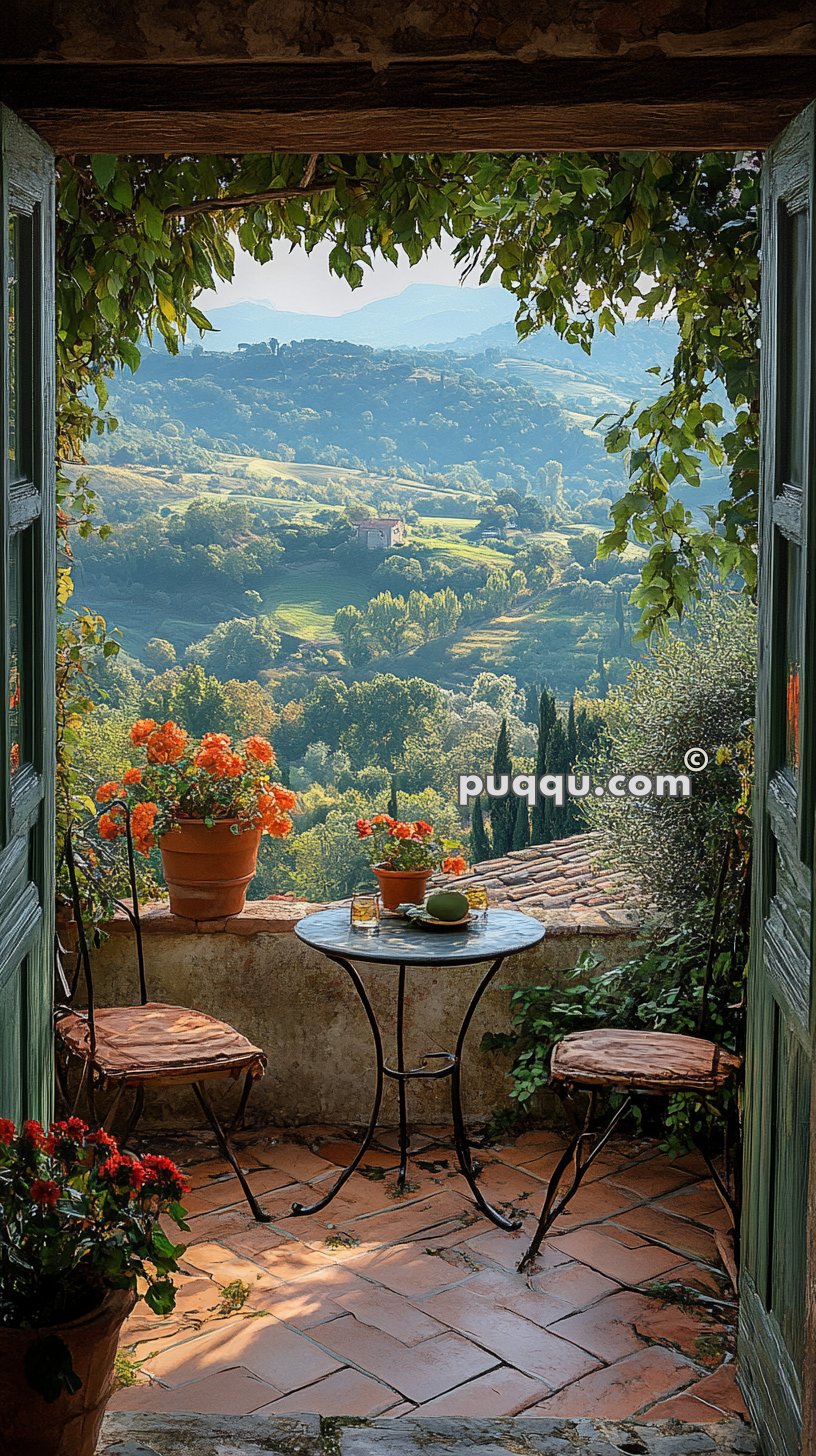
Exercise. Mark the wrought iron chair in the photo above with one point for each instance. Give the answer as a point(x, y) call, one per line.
point(645, 1064)
point(150, 1044)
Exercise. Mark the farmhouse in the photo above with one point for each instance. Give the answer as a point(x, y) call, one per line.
point(380, 534)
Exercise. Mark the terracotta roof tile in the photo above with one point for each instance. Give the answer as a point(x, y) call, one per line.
point(560, 877)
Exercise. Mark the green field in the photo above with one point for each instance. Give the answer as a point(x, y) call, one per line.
point(303, 602)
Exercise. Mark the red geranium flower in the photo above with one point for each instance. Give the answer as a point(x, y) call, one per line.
point(7, 1131)
point(164, 1174)
point(45, 1192)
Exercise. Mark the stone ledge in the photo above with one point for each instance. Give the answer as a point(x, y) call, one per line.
point(279, 915)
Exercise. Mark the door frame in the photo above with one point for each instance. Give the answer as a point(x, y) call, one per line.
point(498, 105)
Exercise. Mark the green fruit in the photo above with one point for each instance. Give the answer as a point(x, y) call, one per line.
point(447, 905)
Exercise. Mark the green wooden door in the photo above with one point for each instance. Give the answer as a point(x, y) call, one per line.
point(780, 1032)
point(27, 621)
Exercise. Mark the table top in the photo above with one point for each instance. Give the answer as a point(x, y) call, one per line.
point(503, 933)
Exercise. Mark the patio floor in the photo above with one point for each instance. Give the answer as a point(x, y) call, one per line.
point(388, 1305)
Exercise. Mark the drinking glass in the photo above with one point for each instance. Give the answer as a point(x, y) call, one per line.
point(476, 896)
point(365, 913)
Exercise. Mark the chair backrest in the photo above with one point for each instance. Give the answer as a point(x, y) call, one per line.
point(98, 869)
point(739, 930)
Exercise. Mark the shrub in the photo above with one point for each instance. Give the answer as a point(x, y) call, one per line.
point(695, 690)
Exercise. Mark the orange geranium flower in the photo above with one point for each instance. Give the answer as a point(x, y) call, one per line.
point(108, 791)
point(132, 776)
point(455, 864)
point(273, 819)
point(166, 744)
point(384, 819)
point(364, 828)
point(260, 749)
point(285, 797)
point(142, 819)
point(141, 731)
point(111, 826)
point(403, 831)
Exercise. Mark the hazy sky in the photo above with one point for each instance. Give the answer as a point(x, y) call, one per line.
point(302, 282)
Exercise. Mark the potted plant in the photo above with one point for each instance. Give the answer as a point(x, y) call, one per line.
point(404, 856)
point(206, 802)
point(80, 1242)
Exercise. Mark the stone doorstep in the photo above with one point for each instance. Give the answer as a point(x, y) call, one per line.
point(131, 1434)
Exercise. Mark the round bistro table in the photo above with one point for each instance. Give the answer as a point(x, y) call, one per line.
point(503, 933)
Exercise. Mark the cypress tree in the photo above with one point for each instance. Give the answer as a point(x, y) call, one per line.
point(393, 807)
point(556, 817)
point(521, 825)
point(546, 719)
point(502, 811)
point(620, 617)
point(572, 734)
point(531, 703)
point(479, 843)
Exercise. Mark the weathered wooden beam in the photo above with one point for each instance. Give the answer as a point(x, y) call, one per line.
point(657, 102)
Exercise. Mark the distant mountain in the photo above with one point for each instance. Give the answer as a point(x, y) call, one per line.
point(638, 345)
point(431, 314)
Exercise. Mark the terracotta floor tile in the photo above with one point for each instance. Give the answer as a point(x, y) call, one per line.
point(502, 1392)
point(596, 1203)
point(345, 1393)
point(390, 1312)
point(422, 1293)
point(506, 1249)
point(701, 1338)
point(407, 1271)
point(418, 1372)
point(606, 1329)
point(697, 1276)
point(516, 1340)
point(505, 1289)
point(313, 1299)
point(621, 1390)
point(221, 1223)
point(572, 1284)
point(233, 1392)
point(342, 1151)
point(530, 1146)
point(502, 1184)
point(444, 1211)
point(651, 1178)
point(656, 1224)
point(289, 1259)
point(264, 1346)
point(713, 1398)
point(628, 1259)
point(295, 1160)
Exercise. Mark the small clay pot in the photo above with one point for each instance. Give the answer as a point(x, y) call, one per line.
point(401, 887)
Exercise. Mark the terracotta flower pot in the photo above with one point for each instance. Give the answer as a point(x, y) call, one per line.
point(70, 1425)
point(208, 870)
point(402, 887)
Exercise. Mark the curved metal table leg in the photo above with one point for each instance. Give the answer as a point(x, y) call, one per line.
point(303, 1208)
point(459, 1134)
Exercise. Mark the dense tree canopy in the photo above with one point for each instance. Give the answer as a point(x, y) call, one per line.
point(581, 240)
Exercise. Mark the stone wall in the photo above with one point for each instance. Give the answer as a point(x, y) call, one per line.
point(253, 972)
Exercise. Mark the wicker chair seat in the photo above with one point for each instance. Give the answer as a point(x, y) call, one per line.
point(647, 1061)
